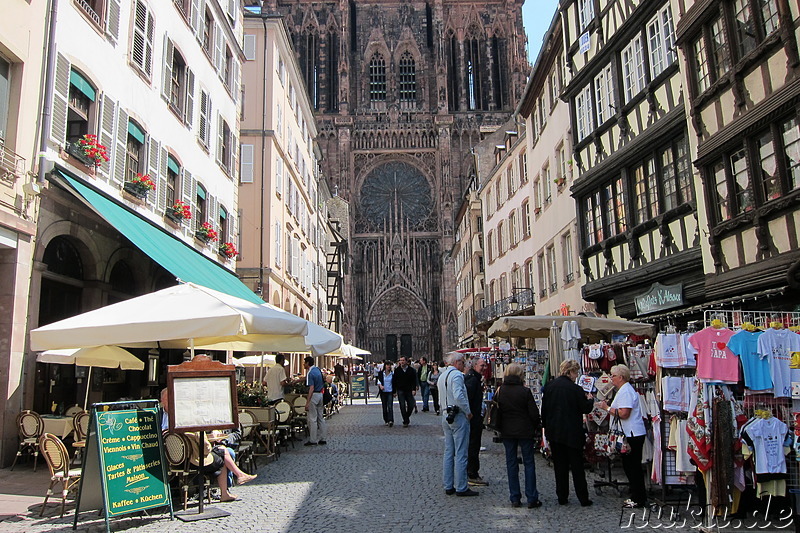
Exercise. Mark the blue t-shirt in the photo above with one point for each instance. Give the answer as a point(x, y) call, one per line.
point(756, 370)
point(314, 379)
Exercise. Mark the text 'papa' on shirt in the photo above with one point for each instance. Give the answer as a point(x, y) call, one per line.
point(314, 379)
point(776, 346)
point(756, 368)
point(768, 436)
point(715, 362)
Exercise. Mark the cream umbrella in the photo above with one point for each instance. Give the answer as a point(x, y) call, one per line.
point(94, 356)
point(170, 318)
point(318, 341)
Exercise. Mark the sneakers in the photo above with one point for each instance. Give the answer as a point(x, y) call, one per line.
point(391, 424)
point(468, 492)
point(477, 482)
point(450, 492)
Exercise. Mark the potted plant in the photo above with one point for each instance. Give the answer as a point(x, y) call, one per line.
point(179, 211)
point(88, 150)
point(560, 181)
point(140, 186)
point(537, 210)
point(251, 395)
point(228, 250)
point(206, 233)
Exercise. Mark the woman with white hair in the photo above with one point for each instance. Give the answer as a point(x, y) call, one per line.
point(626, 407)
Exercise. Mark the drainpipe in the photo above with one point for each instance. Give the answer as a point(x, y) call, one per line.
point(47, 105)
point(263, 157)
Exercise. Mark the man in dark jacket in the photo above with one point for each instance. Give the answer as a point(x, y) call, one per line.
point(405, 385)
point(473, 382)
point(563, 405)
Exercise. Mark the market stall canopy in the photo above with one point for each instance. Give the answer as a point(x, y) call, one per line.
point(592, 328)
point(95, 356)
point(317, 341)
point(175, 316)
point(348, 351)
point(247, 361)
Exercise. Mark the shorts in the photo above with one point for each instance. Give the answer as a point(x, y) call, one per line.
point(216, 465)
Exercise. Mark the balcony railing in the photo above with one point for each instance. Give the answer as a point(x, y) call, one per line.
point(11, 165)
point(503, 307)
point(89, 10)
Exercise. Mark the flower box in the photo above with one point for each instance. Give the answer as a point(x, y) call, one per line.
point(206, 233)
point(178, 212)
point(228, 250)
point(88, 150)
point(135, 190)
point(74, 150)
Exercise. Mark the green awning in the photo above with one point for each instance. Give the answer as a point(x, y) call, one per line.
point(82, 84)
point(201, 193)
point(174, 255)
point(222, 213)
point(135, 131)
point(173, 165)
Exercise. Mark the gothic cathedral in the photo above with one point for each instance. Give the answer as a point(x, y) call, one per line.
point(402, 91)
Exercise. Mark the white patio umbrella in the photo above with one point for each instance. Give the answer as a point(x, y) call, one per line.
point(95, 356)
point(170, 318)
point(318, 341)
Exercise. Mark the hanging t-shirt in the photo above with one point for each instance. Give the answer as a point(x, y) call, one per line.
point(768, 436)
point(756, 369)
point(715, 362)
point(689, 351)
point(776, 346)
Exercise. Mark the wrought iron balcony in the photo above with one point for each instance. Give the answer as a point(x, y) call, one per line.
point(523, 298)
point(12, 165)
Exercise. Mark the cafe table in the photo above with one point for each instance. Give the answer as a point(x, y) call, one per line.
point(61, 426)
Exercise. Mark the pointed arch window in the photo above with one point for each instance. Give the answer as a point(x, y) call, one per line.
point(473, 65)
point(408, 78)
point(377, 79)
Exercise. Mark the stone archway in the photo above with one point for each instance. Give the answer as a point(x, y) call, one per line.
point(400, 317)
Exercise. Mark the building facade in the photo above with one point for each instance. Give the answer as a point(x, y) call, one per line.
point(143, 94)
point(742, 90)
point(637, 213)
point(22, 30)
point(468, 263)
point(402, 91)
point(283, 213)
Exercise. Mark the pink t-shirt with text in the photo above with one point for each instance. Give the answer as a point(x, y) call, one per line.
point(714, 360)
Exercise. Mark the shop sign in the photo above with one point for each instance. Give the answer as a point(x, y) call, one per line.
point(358, 387)
point(659, 298)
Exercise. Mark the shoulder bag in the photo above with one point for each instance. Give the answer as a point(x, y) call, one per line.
point(491, 419)
point(617, 441)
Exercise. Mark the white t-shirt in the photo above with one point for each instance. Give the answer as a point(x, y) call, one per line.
point(768, 436)
point(275, 375)
point(628, 398)
point(777, 345)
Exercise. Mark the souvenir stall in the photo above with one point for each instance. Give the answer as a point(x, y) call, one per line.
point(729, 390)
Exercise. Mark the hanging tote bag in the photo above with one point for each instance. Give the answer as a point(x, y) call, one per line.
point(491, 419)
point(617, 441)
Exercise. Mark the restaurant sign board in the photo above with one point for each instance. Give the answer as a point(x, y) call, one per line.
point(659, 298)
point(124, 452)
point(358, 387)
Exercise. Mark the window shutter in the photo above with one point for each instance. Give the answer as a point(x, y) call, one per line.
point(213, 209)
point(250, 47)
point(232, 8)
point(220, 140)
point(167, 81)
point(186, 187)
point(233, 153)
point(278, 241)
point(159, 178)
point(107, 134)
point(219, 48)
point(58, 125)
point(195, 18)
point(279, 175)
point(189, 108)
point(163, 176)
point(246, 170)
point(121, 152)
point(233, 228)
point(236, 81)
point(112, 21)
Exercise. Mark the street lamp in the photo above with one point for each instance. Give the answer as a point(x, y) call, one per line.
point(513, 304)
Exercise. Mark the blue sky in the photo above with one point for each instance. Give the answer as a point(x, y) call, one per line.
point(536, 15)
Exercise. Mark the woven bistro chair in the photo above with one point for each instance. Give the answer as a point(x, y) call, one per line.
point(81, 424)
point(284, 427)
point(248, 446)
point(300, 416)
point(57, 457)
point(176, 450)
point(30, 427)
point(74, 410)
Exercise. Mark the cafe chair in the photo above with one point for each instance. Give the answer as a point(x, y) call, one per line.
point(246, 451)
point(176, 450)
point(57, 457)
point(284, 426)
point(299, 416)
point(74, 410)
point(81, 424)
point(29, 427)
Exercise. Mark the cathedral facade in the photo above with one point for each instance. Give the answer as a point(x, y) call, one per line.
point(402, 91)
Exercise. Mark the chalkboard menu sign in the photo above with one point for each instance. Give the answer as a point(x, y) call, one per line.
point(124, 452)
point(358, 387)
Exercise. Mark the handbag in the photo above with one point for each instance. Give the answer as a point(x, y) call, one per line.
point(617, 441)
point(491, 418)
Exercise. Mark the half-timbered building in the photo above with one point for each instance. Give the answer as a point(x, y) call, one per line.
point(634, 192)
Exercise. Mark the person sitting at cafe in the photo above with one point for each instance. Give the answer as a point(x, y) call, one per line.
point(217, 461)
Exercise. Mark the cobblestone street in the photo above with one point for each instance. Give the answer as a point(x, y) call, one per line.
point(368, 478)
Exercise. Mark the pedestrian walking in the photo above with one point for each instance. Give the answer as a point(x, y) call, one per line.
point(423, 373)
point(563, 405)
point(433, 379)
point(386, 391)
point(473, 380)
point(455, 426)
point(405, 386)
point(315, 408)
point(626, 407)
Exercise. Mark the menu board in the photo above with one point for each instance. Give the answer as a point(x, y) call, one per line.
point(202, 401)
point(358, 387)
